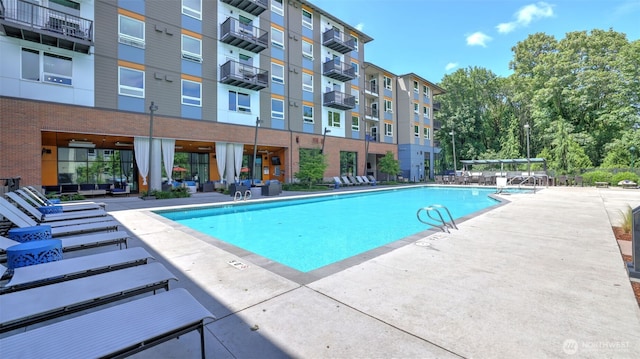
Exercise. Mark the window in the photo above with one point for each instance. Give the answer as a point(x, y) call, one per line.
point(191, 93)
point(307, 19)
point(30, 64)
point(307, 113)
point(276, 7)
point(131, 31)
point(427, 132)
point(388, 129)
point(356, 68)
point(240, 102)
point(191, 48)
point(416, 131)
point(192, 8)
point(277, 73)
point(356, 94)
point(334, 119)
point(277, 38)
point(425, 90)
point(355, 123)
point(425, 112)
point(355, 42)
point(416, 107)
point(245, 60)
point(388, 106)
point(130, 82)
point(245, 25)
point(387, 83)
point(307, 49)
point(277, 108)
point(307, 82)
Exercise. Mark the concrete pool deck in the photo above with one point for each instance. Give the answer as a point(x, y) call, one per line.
point(541, 276)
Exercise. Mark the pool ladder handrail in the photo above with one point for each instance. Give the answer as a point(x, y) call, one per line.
point(440, 221)
point(239, 196)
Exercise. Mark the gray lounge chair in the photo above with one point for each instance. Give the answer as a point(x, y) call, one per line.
point(51, 217)
point(35, 305)
point(123, 329)
point(62, 228)
point(346, 180)
point(39, 199)
point(68, 269)
point(77, 242)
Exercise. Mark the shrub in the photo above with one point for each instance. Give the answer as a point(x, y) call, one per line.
point(621, 176)
point(627, 219)
point(590, 178)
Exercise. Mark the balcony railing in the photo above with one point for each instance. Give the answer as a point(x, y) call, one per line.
point(437, 125)
point(436, 106)
point(244, 76)
point(339, 100)
point(338, 71)
point(371, 87)
point(243, 36)
point(253, 7)
point(371, 112)
point(32, 22)
point(334, 40)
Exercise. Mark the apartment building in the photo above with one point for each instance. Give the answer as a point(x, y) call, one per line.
point(417, 152)
point(118, 91)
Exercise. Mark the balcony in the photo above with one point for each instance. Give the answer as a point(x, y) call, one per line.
point(371, 88)
point(43, 25)
point(371, 113)
point(437, 125)
point(253, 7)
point(332, 39)
point(243, 36)
point(338, 71)
point(244, 76)
point(338, 100)
point(436, 106)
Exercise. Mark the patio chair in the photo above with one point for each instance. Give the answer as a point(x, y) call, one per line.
point(79, 294)
point(372, 180)
point(123, 329)
point(354, 181)
point(341, 182)
point(33, 195)
point(48, 213)
point(77, 242)
point(345, 179)
point(60, 228)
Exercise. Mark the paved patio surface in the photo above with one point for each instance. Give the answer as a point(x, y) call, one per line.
point(541, 276)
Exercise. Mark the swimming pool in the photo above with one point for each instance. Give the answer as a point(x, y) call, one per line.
point(307, 234)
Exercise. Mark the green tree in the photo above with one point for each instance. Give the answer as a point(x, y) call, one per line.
point(389, 165)
point(312, 166)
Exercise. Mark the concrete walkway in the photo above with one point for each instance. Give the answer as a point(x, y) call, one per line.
point(539, 277)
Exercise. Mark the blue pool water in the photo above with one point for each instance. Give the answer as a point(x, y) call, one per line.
point(306, 234)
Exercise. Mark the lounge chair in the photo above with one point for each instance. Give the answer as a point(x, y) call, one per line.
point(354, 180)
point(68, 269)
point(346, 181)
point(61, 228)
point(372, 180)
point(36, 305)
point(340, 183)
point(40, 199)
point(77, 242)
point(43, 216)
point(121, 330)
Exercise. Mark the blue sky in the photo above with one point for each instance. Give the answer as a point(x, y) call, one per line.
point(436, 37)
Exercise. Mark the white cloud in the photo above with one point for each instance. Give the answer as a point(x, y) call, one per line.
point(360, 27)
point(451, 66)
point(526, 15)
point(478, 39)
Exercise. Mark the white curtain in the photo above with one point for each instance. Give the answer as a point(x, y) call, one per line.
point(168, 152)
point(238, 152)
point(141, 148)
point(221, 158)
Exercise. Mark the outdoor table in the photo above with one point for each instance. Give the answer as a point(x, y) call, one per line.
point(28, 234)
point(34, 252)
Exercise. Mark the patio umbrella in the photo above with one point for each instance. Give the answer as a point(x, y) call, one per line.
point(179, 169)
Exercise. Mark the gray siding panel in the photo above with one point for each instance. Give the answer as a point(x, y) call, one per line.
point(106, 54)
